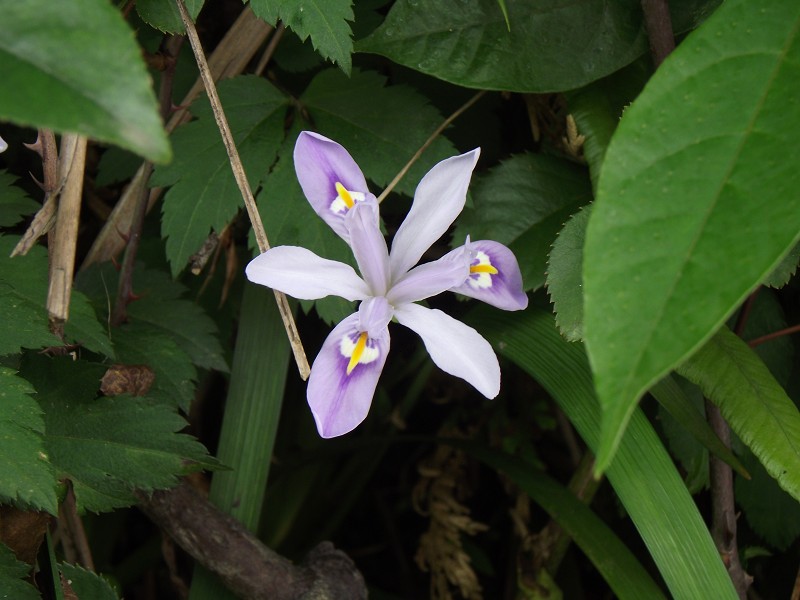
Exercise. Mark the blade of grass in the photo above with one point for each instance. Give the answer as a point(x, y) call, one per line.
point(258, 377)
point(642, 474)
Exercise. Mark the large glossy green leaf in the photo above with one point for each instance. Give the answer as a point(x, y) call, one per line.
point(78, 69)
point(523, 203)
point(324, 21)
point(618, 566)
point(551, 45)
point(204, 194)
point(643, 475)
point(696, 202)
point(87, 585)
point(755, 405)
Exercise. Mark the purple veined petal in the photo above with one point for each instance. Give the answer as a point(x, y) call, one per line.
point(302, 274)
point(438, 200)
point(494, 275)
point(3, 145)
point(344, 376)
point(431, 278)
point(369, 246)
point(455, 347)
point(321, 164)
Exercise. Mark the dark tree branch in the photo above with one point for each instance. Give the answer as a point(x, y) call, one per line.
point(246, 566)
point(723, 509)
point(658, 23)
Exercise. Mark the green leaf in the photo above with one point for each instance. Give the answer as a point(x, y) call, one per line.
point(204, 194)
point(643, 475)
point(671, 396)
point(325, 21)
point(23, 290)
point(523, 203)
point(142, 344)
point(781, 275)
point(107, 446)
point(12, 575)
point(614, 561)
point(84, 328)
point(771, 512)
point(756, 407)
point(86, 584)
point(565, 277)
point(696, 171)
point(164, 15)
point(693, 456)
point(553, 46)
point(598, 107)
point(381, 126)
point(161, 306)
point(14, 202)
point(78, 69)
point(27, 478)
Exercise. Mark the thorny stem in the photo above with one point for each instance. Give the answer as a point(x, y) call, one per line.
point(244, 186)
point(428, 142)
point(723, 507)
point(169, 51)
point(658, 23)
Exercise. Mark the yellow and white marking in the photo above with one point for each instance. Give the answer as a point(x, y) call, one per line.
point(345, 199)
point(358, 352)
point(481, 273)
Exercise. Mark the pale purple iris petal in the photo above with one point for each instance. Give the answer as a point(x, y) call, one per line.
point(320, 163)
point(304, 275)
point(374, 315)
point(438, 200)
point(455, 347)
point(430, 279)
point(369, 246)
point(338, 400)
point(3, 145)
point(502, 289)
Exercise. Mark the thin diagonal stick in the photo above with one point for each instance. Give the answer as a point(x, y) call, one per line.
point(241, 181)
point(428, 142)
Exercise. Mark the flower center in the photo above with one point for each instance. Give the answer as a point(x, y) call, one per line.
point(345, 199)
point(358, 351)
point(481, 271)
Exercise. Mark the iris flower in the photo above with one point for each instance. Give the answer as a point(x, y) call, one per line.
point(346, 371)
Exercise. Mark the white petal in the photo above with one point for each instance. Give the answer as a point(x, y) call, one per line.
point(438, 200)
point(3, 145)
point(455, 348)
point(302, 274)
